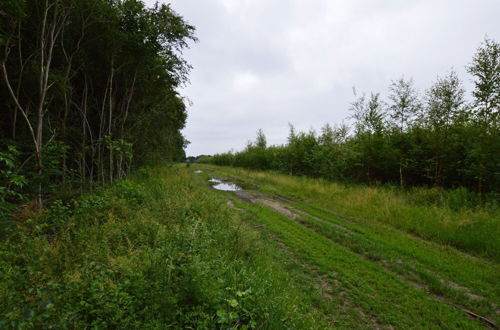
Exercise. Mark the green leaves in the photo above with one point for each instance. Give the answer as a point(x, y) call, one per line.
point(234, 314)
point(445, 101)
point(485, 69)
point(154, 251)
point(404, 103)
point(119, 146)
point(106, 101)
point(10, 181)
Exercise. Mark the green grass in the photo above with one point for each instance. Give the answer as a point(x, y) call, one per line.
point(164, 250)
point(422, 282)
point(380, 295)
point(161, 250)
point(418, 261)
point(418, 211)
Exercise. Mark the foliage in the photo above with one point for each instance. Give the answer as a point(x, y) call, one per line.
point(83, 109)
point(485, 69)
point(159, 250)
point(368, 244)
point(11, 184)
point(10, 181)
point(439, 141)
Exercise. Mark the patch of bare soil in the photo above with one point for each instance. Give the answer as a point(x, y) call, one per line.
point(463, 289)
point(303, 213)
point(247, 196)
point(278, 208)
point(256, 197)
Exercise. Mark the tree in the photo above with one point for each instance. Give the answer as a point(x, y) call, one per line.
point(445, 101)
point(403, 108)
point(369, 115)
point(485, 68)
point(260, 141)
point(88, 86)
point(369, 142)
point(52, 19)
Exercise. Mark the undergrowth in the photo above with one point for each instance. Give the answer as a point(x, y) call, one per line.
point(156, 251)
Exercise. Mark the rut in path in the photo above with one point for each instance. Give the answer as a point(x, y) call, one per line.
point(282, 206)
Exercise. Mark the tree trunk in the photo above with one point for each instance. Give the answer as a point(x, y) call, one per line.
point(100, 149)
point(110, 122)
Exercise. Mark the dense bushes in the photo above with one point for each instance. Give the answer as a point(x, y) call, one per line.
point(374, 159)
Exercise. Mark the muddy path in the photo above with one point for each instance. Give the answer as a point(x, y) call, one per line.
point(368, 248)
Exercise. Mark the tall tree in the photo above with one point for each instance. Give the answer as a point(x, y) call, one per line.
point(404, 106)
point(93, 78)
point(445, 101)
point(260, 140)
point(369, 115)
point(48, 27)
point(485, 69)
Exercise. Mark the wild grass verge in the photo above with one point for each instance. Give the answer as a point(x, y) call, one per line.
point(159, 250)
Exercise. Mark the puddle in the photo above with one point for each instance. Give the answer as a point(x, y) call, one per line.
point(214, 181)
point(224, 186)
point(198, 171)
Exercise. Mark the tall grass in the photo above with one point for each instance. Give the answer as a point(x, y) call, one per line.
point(157, 251)
point(448, 217)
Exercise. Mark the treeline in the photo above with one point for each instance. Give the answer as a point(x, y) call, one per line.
point(87, 90)
point(435, 139)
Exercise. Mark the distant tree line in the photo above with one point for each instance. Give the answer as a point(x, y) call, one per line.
point(434, 139)
point(87, 91)
point(194, 159)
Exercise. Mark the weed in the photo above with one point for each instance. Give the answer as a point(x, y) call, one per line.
point(158, 250)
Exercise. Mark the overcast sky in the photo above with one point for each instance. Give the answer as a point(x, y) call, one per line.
point(267, 63)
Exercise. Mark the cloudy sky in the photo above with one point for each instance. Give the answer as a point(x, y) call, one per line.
point(266, 63)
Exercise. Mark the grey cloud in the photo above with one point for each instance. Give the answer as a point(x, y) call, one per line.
point(262, 64)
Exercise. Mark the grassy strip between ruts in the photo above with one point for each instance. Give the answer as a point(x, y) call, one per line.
point(424, 264)
point(160, 250)
point(380, 296)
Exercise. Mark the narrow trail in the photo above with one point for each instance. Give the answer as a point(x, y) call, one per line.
point(370, 257)
point(395, 267)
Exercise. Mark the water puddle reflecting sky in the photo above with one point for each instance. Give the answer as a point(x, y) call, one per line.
point(224, 186)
